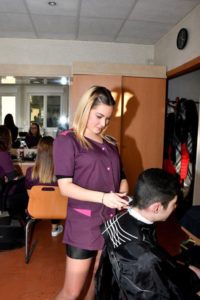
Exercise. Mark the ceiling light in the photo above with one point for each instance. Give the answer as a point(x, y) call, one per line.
point(63, 80)
point(8, 80)
point(52, 3)
point(63, 120)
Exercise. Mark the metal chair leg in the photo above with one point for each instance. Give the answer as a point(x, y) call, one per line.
point(28, 252)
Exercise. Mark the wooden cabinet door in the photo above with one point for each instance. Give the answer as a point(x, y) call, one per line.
point(142, 125)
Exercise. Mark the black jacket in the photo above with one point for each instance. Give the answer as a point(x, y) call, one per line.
point(133, 265)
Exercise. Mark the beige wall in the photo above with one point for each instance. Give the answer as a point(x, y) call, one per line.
point(57, 52)
point(166, 52)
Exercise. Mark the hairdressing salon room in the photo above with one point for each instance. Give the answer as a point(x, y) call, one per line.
point(147, 54)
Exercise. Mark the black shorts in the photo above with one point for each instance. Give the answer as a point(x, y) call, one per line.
point(78, 253)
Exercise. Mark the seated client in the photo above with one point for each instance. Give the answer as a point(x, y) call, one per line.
point(141, 269)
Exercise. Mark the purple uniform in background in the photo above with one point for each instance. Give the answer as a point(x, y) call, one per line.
point(31, 140)
point(6, 166)
point(29, 182)
point(97, 169)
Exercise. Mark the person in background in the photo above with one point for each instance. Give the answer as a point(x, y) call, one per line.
point(17, 200)
point(9, 122)
point(141, 268)
point(42, 173)
point(33, 136)
point(7, 169)
point(90, 174)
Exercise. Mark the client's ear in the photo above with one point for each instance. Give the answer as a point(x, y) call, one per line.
point(155, 207)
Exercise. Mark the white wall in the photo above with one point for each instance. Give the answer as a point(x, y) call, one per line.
point(60, 52)
point(166, 52)
point(57, 52)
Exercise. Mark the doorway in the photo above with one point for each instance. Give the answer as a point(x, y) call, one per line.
point(183, 82)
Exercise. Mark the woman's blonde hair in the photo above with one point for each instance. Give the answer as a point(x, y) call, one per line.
point(43, 168)
point(94, 96)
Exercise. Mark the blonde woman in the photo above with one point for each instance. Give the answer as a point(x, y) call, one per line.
point(42, 173)
point(89, 172)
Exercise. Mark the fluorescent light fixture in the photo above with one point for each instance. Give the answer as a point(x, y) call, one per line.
point(52, 3)
point(8, 80)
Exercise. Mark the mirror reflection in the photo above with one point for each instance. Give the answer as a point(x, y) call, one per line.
point(35, 99)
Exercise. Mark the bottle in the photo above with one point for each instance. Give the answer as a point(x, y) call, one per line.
point(21, 153)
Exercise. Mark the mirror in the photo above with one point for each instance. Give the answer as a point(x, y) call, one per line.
point(35, 99)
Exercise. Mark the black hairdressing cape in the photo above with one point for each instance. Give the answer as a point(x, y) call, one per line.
point(133, 265)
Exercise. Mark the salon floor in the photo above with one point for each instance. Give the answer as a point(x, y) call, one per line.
point(43, 276)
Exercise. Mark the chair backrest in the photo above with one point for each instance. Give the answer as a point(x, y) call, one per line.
point(46, 202)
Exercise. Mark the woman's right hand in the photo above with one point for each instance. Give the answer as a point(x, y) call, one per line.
point(114, 200)
point(195, 270)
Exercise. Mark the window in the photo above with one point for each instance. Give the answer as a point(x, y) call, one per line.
point(37, 109)
point(7, 106)
point(53, 110)
point(45, 110)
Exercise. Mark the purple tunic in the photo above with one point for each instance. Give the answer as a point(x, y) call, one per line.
point(6, 166)
point(96, 169)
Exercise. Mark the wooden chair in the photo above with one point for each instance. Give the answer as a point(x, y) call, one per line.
point(45, 202)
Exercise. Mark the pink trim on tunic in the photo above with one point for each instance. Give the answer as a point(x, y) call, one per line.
point(86, 212)
point(65, 132)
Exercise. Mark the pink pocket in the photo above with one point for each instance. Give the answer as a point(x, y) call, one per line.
point(86, 212)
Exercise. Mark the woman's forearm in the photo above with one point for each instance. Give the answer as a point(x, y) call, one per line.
point(72, 190)
point(124, 186)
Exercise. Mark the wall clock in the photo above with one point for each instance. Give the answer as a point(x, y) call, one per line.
point(182, 38)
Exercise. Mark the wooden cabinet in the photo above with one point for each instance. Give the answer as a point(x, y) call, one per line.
point(142, 130)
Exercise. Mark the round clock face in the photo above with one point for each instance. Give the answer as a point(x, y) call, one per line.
point(182, 38)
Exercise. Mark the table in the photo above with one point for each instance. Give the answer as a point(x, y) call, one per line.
point(190, 223)
point(21, 166)
point(196, 239)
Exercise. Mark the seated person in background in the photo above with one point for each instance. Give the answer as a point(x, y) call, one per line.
point(42, 173)
point(141, 268)
point(17, 200)
point(33, 136)
point(7, 169)
point(9, 123)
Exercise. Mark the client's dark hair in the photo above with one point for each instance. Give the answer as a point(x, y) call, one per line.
point(155, 185)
